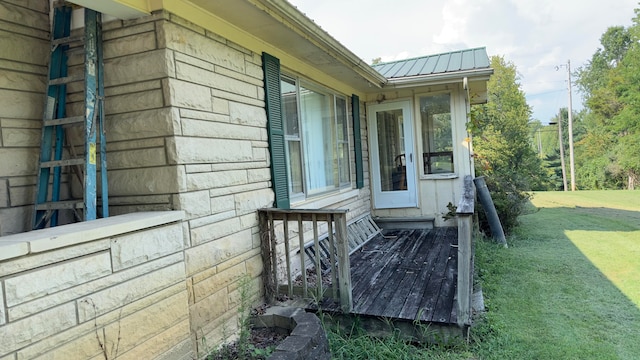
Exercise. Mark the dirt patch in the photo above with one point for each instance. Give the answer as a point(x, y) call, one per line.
point(262, 342)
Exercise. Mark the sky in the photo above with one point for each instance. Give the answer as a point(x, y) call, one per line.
point(538, 36)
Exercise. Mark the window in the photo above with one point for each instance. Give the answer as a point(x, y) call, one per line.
point(316, 138)
point(437, 136)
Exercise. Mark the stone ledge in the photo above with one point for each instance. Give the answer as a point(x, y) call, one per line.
point(36, 241)
point(307, 339)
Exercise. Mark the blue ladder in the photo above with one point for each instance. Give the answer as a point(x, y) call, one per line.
point(55, 122)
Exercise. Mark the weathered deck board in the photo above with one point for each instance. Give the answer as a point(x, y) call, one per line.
point(411, 277)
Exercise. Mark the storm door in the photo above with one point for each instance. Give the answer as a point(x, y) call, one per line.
point(392, 158)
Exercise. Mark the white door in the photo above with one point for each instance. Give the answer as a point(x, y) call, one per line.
point(392, 158)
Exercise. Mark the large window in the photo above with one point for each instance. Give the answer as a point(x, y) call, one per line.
point(316, 138)
point(437, 137)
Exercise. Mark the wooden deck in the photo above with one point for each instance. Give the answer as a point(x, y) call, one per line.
point(406, 275)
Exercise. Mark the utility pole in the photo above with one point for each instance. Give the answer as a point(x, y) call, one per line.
point(564, 173)
point(572, 164)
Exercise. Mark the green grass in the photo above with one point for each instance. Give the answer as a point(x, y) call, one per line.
point(568, 287)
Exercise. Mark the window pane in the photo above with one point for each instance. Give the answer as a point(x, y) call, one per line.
point(290, 107)
point(393, 165)
point(319, 140)
point(295, 168)
point(437, 139)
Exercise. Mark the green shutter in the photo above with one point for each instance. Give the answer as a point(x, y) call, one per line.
point(357, 138)
point(275, 128)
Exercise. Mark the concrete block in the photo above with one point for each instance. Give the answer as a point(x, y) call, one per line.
point(259, 175)
point(249, 202)
point(208, 309)
point(20, 104)
point(245, 114)
point(137, 158)
point(215, 80)
point(254, 266)
point(24, 48)
point(136, 248)
point(165, 345)
point(129, 45)
point(254, 70)
point(203, 115)
point(220, 106)
point(222, 203)
point(195, 204)
point(126, 292)
point(2, 314)
point(193, 44)
point(188, 95)
point(35, 284)
point(123, 32)
point(4, 193)
point(219, 130)
point(215, 231)
point(34, 261)
point(202, 257)
point(191, 150)
point(198, 168)
point(133, 88)
point(145, 100)
point(21, 137)
point(217, 282)
point(237, 189)
point(233, 97)
point(154, 180)
point(83, 290)
point(218, 179)
point(16, 335)
point(21, 81)
point(241, 77)
point(139, 125)
point(186, 59)
point(13, 249)
point(136, 68)
point(207, 220)
point(22, 195)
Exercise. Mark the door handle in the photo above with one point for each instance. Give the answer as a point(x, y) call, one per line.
point(411, 157)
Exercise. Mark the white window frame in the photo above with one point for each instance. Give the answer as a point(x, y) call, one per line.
point(452, 109)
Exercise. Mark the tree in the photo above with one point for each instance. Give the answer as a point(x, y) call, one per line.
point(608, 153)
point(502, 144)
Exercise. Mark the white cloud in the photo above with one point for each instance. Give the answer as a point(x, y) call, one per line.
point(536, 35)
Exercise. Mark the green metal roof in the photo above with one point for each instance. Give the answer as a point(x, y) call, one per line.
point(462, 60)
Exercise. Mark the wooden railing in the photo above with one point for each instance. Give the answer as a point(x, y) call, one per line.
point(287, 270)
point(464, 214)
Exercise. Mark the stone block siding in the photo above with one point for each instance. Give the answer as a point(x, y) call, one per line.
point(123, 284)
point(186, 130)
point(24, 40)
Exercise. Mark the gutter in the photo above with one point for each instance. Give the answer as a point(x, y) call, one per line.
point(436, 79)
point(323, 40)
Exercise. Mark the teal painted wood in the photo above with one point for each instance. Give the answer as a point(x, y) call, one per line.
point(104, 186)
point(275, 129)
point(357, 137)
point(90, 99)
point(462, 60)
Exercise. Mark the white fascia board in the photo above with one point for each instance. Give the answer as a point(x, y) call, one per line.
point(439, 79)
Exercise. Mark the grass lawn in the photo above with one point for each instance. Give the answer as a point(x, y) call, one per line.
point(568, 287)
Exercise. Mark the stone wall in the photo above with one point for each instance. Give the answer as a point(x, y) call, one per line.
point(122, 278)
point(186, 130)
point(24, 40)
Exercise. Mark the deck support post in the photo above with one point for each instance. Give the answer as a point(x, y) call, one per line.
point(464, 287)
point(344, 264)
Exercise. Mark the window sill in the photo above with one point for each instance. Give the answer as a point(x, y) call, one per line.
point(326, 200)
point(439, 176)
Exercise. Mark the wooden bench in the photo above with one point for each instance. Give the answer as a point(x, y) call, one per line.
point(359, 231)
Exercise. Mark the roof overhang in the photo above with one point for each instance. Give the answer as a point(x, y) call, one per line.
point(475, 80)
point(275, 23)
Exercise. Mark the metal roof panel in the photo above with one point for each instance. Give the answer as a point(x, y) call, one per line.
point(461, 60)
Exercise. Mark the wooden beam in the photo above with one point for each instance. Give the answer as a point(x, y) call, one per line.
point(344, 264)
